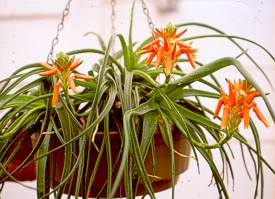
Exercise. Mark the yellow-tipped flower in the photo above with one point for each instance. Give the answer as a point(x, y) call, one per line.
point(237, 105)
point(62, 67)
point(166, 48)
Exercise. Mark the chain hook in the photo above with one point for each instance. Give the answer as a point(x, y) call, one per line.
point(60, 27)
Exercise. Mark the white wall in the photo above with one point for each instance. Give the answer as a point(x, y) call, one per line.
point(27, 28)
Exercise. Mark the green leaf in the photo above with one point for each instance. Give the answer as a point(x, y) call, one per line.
point(85, 84)
point(140, 110)
point(148, 130)
point(15, 74)
point(132, 54)
point(41, 165)
point(99, 38)
point(23, 101)
point(66, 126)
point(18, 81)
point(96, 51)
point(259, 162)
point(168, 135)
point(146, 77)
point(108, 154)
point(242, 140)
point(20, 91)
point(232, 40)
point(215, 172)
point(21, 121)
point(180, 93)
point(126, 54)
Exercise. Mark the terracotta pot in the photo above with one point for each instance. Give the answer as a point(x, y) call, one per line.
point(27, 173)
point(162, 169)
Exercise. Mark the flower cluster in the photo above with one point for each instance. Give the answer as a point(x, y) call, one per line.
point(167, 48)
point(62, 67)
point(237, 105)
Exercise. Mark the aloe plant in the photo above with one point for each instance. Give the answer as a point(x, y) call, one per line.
point(124, 93)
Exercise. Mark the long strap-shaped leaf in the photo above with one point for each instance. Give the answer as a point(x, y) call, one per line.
point(20, 91)
point(233, 37)
point(182, 124)
point(148, 130)
point(100, 80)
point(242, 140)
point(96, 51)
point(125, 50)
point(41, 168)
point(102, 115)
point(128, 129)
point(66, 125)
point(15, 74)
point(6, 118)
point(230, 39)
point(169, 136)
point(259, 174)
point(18, 81)
point(21, 121)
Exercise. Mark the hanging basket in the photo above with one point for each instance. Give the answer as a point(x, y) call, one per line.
point(27, 173)
point(137, 110)
point(160, 173)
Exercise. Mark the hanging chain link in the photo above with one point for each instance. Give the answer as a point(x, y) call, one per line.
point(113, 17)
point(60, 27)
point(147, 14)
point(113, 23)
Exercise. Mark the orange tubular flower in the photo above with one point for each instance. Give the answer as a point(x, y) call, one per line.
point(237, 105)
point(56, 89)
point(62, 67)
point(75, 64)
point(166, 48)
point(71, 84)
point(225, 116)
point(85, 77)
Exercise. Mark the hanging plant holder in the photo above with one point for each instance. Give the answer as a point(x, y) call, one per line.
point(16, 167)
point(130, 126)
point(160, 173)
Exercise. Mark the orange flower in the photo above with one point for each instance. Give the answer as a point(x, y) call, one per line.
point(167, 48)
point(62, 67)
point(237, 105)
point(56, 89)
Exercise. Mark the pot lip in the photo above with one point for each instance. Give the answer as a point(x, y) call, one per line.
point(116, 140)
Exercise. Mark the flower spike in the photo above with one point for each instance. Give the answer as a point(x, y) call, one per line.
point(237, 105)
point(166, 48)
point(62, 67)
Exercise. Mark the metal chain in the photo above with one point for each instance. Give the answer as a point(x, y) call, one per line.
point(113, 23)
point(147, 14)
point(113, 17)
point(60, 27)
